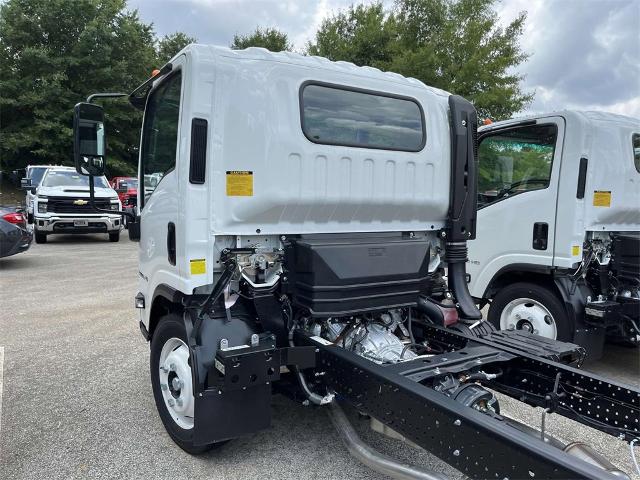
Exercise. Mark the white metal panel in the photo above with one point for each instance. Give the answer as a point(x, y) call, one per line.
point(303, 187)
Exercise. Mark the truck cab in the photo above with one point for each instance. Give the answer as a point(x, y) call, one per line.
point(558, 235)
point(294, 219)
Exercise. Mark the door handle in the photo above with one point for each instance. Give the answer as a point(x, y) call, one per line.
point(540, 235)
point(171, 243)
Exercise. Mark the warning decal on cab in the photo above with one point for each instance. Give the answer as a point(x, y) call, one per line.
point(198, 266)
point(601, 198)
point(239, 183)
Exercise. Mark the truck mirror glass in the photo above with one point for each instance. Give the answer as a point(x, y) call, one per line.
point(89, 139)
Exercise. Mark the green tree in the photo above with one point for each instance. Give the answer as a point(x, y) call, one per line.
point(269, 38)
point(171, 44)
point(456, 45)
point(53, 54)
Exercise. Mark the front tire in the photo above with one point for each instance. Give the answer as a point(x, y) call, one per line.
point(40, 237)
point(171, 382)
point(531, 307)
point(114, 236)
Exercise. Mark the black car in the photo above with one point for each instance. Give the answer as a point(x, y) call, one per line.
point(15, 237)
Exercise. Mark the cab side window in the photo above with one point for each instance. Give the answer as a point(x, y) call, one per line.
point(515, 161)
point(160, 132)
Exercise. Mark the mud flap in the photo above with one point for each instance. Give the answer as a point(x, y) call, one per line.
point(232, 383)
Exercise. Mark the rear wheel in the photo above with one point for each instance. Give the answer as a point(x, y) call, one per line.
point(533, 308)
point(114, 236)
point(171, 382)
point(40, 237)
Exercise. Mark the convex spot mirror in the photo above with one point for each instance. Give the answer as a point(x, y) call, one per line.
point(89, 139)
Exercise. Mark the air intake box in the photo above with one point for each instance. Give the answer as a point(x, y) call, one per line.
point(336, 276)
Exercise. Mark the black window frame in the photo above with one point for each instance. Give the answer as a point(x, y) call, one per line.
point(378, 93)
point(508, 128)
point(163, 81)
point(633, 150)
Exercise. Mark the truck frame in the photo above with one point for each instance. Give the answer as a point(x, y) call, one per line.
point(296, 242)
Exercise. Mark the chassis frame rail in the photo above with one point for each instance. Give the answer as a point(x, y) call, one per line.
point(479, 445)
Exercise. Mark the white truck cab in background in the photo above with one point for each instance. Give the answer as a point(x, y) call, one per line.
point(557, 249)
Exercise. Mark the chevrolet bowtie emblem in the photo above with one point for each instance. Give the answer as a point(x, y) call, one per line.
point(80, 202)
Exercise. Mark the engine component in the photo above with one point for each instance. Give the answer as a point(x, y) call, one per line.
point(372, 339)
point(625, 259)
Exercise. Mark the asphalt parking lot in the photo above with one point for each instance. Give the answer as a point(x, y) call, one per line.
point(75, 398)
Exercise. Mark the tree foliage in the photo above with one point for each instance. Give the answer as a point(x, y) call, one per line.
point(269, 38)
point(456, 45)
point(171, 44)
point(53, 54)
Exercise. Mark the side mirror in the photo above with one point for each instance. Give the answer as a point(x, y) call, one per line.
point(89, 139)
point(25, 183)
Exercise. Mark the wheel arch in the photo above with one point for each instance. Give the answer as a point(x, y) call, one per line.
point(538, 274)
point(165, 300)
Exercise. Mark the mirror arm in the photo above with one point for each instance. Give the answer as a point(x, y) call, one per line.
point(103, 210)
point(105, 95)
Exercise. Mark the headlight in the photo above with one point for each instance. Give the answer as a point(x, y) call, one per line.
point(42, 207)
point(115, 206)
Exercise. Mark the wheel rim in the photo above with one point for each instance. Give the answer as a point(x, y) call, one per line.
point(175, 382)
point(528, 315)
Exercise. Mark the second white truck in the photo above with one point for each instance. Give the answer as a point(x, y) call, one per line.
point(557, 250)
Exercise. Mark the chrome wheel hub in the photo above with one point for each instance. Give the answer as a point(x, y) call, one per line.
point(175, 382)
point(528, 315)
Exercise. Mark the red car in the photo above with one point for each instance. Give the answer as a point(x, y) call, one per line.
point(127, 188)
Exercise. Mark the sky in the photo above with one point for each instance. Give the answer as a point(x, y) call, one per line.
point(584, 54)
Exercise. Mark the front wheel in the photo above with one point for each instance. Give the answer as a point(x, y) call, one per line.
point(171, 382)
point(114, 236)
point(533, 308)
point(40, 237)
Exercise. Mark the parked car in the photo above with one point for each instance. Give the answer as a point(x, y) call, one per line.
point(32, 178)
point(15, 237)
point(127, 189)
point(62, 206)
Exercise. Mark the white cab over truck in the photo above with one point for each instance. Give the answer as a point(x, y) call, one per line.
point(557, 250)
point(62, 205)
point(294, 224)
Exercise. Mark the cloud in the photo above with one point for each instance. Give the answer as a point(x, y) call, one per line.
point(585, 54)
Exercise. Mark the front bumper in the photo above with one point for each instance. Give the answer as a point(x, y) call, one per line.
point(78, 223)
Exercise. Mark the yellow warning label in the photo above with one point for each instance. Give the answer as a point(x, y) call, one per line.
point(239, 184)
point(601, 198)
point(198, 266)
point(575, 250)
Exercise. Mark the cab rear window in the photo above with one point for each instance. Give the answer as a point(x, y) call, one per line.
point(337, 115)
point(636, 150)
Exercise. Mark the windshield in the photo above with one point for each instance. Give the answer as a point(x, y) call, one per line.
point(36, 174)
point(70, 178)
